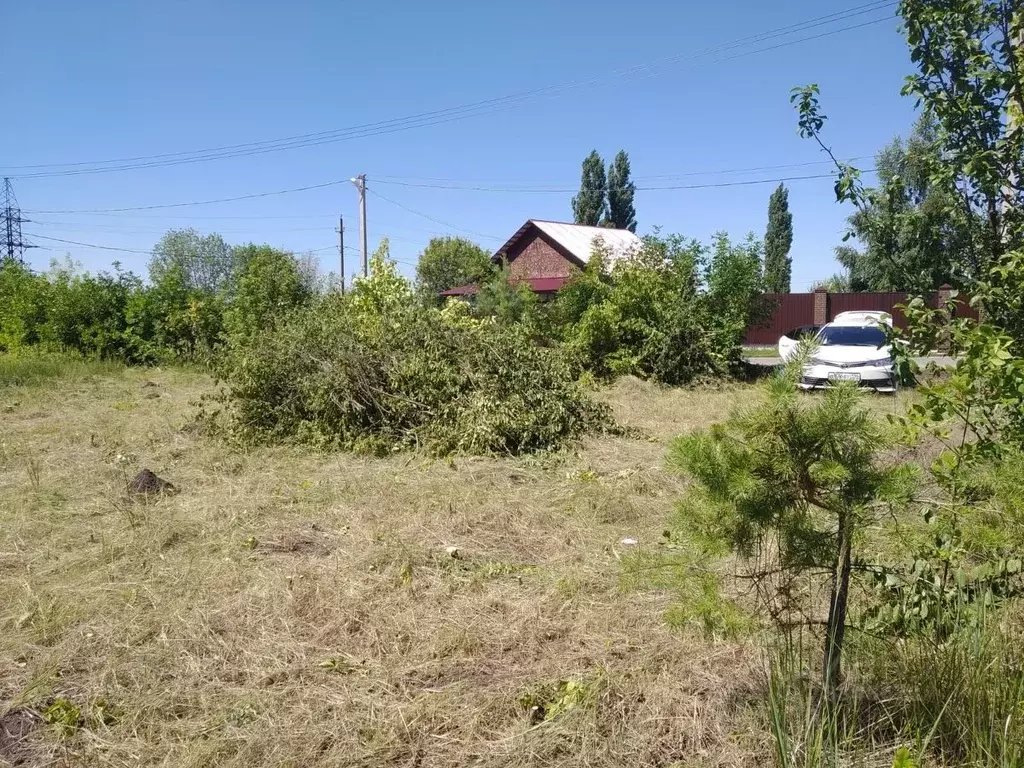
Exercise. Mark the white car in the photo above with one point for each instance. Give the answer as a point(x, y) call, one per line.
point(853, 347)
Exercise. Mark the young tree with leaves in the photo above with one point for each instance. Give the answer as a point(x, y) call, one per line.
point(206, 262)
point(914, 235)
point(589, 207)
point(778, 239)
point(269, 288)
point(838, 283)
point(621, 190)
point(970, 83)
point(448, 262)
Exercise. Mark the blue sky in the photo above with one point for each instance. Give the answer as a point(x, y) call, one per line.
point(121, 79)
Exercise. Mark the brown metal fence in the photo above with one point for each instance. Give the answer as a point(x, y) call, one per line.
point(782, 312)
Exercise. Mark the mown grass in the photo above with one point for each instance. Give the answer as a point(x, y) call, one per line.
point(289, 608)
point(293, 608)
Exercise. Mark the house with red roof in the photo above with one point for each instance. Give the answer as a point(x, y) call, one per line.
point(545, 254)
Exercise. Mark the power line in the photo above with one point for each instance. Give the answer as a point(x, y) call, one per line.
point(473, 109)
point(400, 181)
point(80, 226)
point(91, 245)
point(107, 226)
point(199, 202)
point(64, 226)
point(385, 179)
point(136, 250)
point(431, 218)
point(710, 185)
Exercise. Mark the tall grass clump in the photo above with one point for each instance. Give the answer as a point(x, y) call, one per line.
point(29, 369)
point(966, 691)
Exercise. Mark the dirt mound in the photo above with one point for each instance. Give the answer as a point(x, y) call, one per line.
point(15, 728)
point(148, 484)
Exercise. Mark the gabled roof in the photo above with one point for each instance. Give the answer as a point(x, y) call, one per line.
point(578, 240)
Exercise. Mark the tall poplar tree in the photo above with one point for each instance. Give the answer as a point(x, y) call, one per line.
point(778, 239)
point(621, 213)
point(589, 206)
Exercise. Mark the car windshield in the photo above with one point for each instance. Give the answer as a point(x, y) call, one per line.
point(851, 336)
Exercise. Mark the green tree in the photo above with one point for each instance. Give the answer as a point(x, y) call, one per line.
point(448, 262)
point(23, 300)
point(206, 262)
point(778, 239)
point(970, 84)
point(585, 288)
point(621, 190)
point(269, 288)
point(733, 284)
point(87, 313)
point(914, 235)
point(969, 81)
point(790, 484)
point(652, 320)
point(589, 206)
point(384, 295)
point(178, 318)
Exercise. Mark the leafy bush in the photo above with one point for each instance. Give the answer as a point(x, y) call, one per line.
point(375, 371)
point(87, 314)
point(621, 328)
point(590, 286)
point(64, 311)
point(664, 313)
point(172, 319)
point(268, 287)
point(22, 306)
point(200, 290)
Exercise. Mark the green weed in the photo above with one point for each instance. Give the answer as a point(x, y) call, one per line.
point(65, 715)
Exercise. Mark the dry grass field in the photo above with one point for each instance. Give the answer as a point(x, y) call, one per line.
point(286, 608)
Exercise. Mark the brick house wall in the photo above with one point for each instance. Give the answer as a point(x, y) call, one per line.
point(535, 257)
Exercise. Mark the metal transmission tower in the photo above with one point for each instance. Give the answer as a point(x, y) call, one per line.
point(13, 246)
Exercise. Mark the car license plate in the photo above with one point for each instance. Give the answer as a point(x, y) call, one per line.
point(839, 376)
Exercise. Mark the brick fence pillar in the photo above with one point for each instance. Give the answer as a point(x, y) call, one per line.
point(944, 301)
point(820, 306)
point(945, 295)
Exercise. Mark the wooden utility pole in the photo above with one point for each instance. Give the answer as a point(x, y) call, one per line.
point(1014, 106)
point(360, 182)
point(341, 250)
